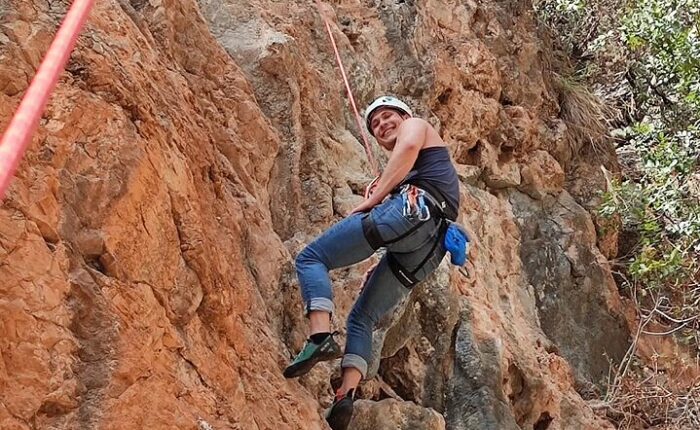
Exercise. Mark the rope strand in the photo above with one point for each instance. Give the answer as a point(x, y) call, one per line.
point(360, 125)
point(25, 121)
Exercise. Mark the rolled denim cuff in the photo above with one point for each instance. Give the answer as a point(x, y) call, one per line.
point(319, 304)
point(353, 360)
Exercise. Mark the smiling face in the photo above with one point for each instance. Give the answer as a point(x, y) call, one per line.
point(385, 124)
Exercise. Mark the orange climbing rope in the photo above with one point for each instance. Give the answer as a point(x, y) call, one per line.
point(21, 129)
point(368, 150)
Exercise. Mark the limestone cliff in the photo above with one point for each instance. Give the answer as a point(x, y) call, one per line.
point(193, 147)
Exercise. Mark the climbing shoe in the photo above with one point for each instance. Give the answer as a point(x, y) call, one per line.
point(311, 354)
point(340, 412)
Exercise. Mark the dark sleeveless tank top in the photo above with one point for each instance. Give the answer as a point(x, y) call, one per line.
point(435, 167)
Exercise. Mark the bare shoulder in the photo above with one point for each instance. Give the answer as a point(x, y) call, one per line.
point(414, 126)
point(420, 132)
point(416, 123)
point(431, 135)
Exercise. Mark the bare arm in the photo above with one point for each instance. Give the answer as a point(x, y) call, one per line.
point(410, 140)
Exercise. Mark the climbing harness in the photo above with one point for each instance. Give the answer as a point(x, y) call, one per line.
point(365, 141)
point(414, 196)
point(25, 121)
point(456, 239)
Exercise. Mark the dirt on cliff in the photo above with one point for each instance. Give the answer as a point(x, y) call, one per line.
point(192, 148)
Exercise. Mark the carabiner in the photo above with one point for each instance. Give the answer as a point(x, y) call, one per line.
point(423, 210)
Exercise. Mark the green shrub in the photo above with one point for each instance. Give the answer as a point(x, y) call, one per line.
point(643, 57)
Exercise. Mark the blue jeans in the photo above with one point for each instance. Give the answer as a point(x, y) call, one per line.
point(344, 244)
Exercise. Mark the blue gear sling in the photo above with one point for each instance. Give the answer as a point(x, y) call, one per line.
point(456, 243)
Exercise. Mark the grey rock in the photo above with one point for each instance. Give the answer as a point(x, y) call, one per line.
point(474, 398)
point(560, 261)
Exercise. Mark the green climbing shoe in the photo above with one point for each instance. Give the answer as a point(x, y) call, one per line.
point(311, 354)
point(339, 414)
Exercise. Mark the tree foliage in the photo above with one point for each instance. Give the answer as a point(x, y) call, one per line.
point(643, 58)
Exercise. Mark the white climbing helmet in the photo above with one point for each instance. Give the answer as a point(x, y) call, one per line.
point(385, 101)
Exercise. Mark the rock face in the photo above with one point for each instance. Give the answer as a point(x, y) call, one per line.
point(392, 414)
point(193, 147)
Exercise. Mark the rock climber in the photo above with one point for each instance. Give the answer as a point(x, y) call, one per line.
point(407, 213)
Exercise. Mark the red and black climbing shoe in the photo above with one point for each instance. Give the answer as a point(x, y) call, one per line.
point(340, 412)
point(312, 353)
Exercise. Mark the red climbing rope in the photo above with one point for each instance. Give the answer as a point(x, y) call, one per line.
point(21, 129)
point(360, 125)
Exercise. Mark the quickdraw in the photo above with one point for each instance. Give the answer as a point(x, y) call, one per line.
point(413, 203)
